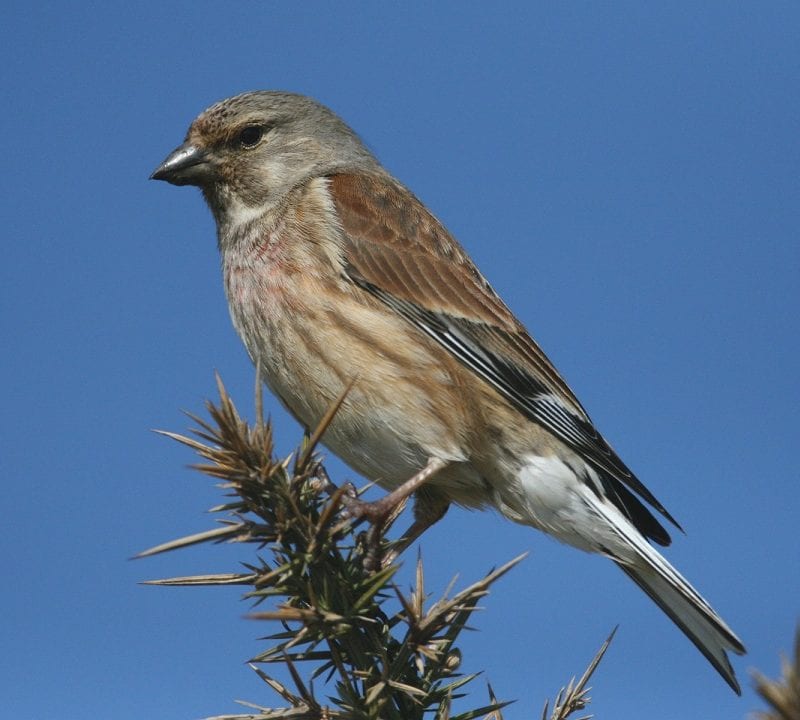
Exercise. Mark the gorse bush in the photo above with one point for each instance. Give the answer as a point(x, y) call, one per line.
point(356, 646)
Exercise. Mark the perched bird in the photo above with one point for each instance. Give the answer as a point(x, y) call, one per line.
point(335, 273)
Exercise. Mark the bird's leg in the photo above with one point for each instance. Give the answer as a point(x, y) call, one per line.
point(372, 539)
point(427, 511)
point(378, 511)
point(381, 513)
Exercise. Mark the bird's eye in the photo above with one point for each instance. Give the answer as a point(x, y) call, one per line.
point(250, 136)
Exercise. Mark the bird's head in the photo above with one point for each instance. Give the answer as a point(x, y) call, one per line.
point(247, 152)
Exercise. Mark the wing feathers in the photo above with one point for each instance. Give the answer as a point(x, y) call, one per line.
point(400, 254)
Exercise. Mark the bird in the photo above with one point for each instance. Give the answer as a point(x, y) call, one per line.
point(340, 281)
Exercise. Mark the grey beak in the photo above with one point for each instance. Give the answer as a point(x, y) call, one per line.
point(186, 165)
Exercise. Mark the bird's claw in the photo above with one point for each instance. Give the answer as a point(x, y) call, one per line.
point(380, 515)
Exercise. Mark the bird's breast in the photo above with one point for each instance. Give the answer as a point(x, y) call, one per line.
point(312, 334)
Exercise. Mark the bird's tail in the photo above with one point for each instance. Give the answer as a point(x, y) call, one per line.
point(672, 593)
point(691, 613)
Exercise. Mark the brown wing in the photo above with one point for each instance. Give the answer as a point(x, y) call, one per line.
point(397, 251)
point(396, 244)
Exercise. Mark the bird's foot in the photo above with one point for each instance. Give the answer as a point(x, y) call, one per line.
point(375, 512)
point(380, 514)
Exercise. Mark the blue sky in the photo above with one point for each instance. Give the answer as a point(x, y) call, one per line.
point(625, 175)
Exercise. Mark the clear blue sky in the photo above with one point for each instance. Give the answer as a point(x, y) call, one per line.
point(626, 176)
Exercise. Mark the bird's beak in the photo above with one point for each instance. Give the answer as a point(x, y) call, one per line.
point(186, 165)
